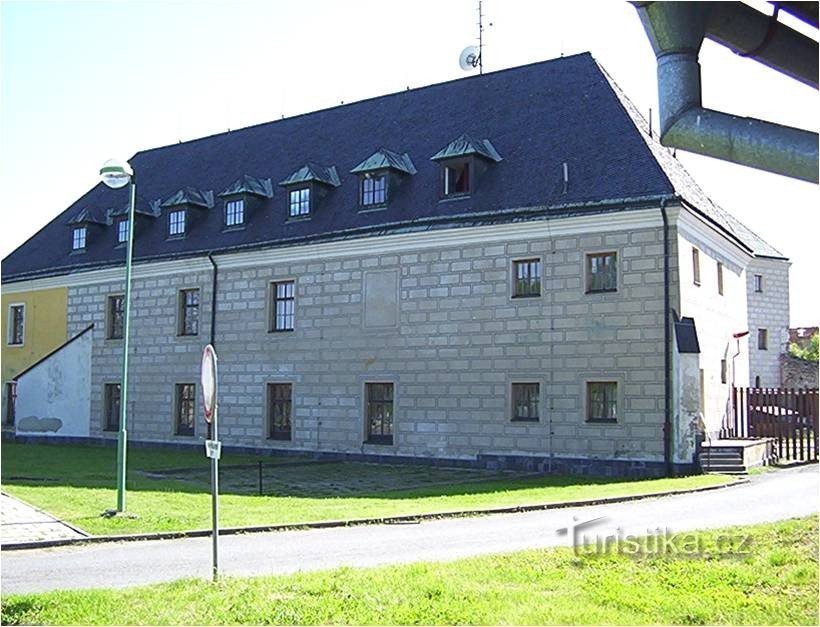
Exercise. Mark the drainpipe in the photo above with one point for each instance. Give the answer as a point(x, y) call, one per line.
point(676, 31)
point(213, 299)
point(667, 349)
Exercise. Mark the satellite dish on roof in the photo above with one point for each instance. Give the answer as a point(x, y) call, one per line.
point(470, 58)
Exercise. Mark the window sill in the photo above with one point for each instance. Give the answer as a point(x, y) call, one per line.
point(184, 435)
point(280, 330)
point(451, 197)
point(303, 218)
point(173, 238)
point(280, 437)
point(113, 339)
point(610, 291)
point(384, 441)
point(535, 420)
point(372, 208)
point(522, 296)
point(602, 421)
point(233, 228)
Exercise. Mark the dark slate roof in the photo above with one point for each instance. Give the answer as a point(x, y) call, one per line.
point(384, 159)
point(537, 116)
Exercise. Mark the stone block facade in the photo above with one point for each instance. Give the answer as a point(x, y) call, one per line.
point(768, 298)
point(439, 322)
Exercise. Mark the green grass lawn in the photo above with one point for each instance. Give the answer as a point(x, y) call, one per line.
point(775, 582)
point(169, 490)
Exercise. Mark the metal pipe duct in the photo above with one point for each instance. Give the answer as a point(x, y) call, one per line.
point(676, 31)
point(752, 34)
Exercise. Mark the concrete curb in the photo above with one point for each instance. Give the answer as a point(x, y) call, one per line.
point(327, 524)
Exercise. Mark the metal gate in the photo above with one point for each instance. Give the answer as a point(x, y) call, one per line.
point(788, 415)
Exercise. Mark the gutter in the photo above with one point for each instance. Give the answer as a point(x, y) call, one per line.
point(676, 31)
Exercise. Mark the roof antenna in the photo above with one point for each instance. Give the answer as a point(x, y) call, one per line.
point(566, 178)
point(471, 57)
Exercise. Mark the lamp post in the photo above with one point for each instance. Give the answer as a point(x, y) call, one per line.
point(117, 174)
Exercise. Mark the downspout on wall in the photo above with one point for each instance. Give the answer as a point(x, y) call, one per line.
point(667, 348)
point(676, 31)
point(213, 315)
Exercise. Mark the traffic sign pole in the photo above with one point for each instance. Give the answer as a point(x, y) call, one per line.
point(212, 447)
point(215, 492)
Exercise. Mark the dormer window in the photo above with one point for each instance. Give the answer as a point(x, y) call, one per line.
point(299, 202)
point(243, 198)
point(176, 223)
point(79, 236)
point(373, 190)
point(380, 175)
point(457, 179)
point(122, 231)
point(463, 161)
point(235, 212)
point(307, 186)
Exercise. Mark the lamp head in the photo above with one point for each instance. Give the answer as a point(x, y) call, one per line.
point(116, 173)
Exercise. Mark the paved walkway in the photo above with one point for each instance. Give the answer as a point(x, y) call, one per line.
point(23, 523)
point(768, 497)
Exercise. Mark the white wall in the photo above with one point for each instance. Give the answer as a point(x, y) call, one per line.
point(54, 397)
point(717, 317)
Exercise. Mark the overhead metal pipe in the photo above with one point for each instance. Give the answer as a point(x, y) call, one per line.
point(676, 31)
point(763, 38)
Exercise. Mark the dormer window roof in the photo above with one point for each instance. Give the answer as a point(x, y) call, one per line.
point(190, 196)
point(466, 146)
point(79, 229)
point(384, 159)
point(247, 184)
point(313, 173)
point(153, 211)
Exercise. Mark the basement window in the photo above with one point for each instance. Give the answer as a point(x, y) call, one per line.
point(185, 408)
point(280, 409)
point(763, 339)
point(112, 407)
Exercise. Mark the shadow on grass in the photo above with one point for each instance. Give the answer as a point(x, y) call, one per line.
point(159, 470)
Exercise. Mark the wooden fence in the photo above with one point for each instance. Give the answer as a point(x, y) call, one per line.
point(790, 416)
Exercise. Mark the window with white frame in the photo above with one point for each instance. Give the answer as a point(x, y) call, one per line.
point(17, 324)
point(176, 223)
point(525, 401)
point(78, 238)
point(602, 272)
point(122, 231)
point(457, 179)
point(374, 190)
point(602, 401)
point(283, 306)
point(299, 202)
point(235, 212)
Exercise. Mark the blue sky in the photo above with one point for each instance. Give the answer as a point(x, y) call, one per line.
point(84, 81)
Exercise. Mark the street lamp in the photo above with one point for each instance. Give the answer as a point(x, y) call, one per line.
point(117, 174)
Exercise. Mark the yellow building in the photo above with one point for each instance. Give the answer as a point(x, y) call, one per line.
point(33, 324)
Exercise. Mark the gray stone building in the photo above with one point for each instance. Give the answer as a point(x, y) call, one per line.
point(536, 286)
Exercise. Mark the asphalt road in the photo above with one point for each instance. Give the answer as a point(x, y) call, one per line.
point(769, 497)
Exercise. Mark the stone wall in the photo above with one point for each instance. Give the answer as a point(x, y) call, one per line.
point(797, 373)
point(768, 309)
point(457, 343)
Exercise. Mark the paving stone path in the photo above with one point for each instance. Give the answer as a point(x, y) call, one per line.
point(23, 523)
